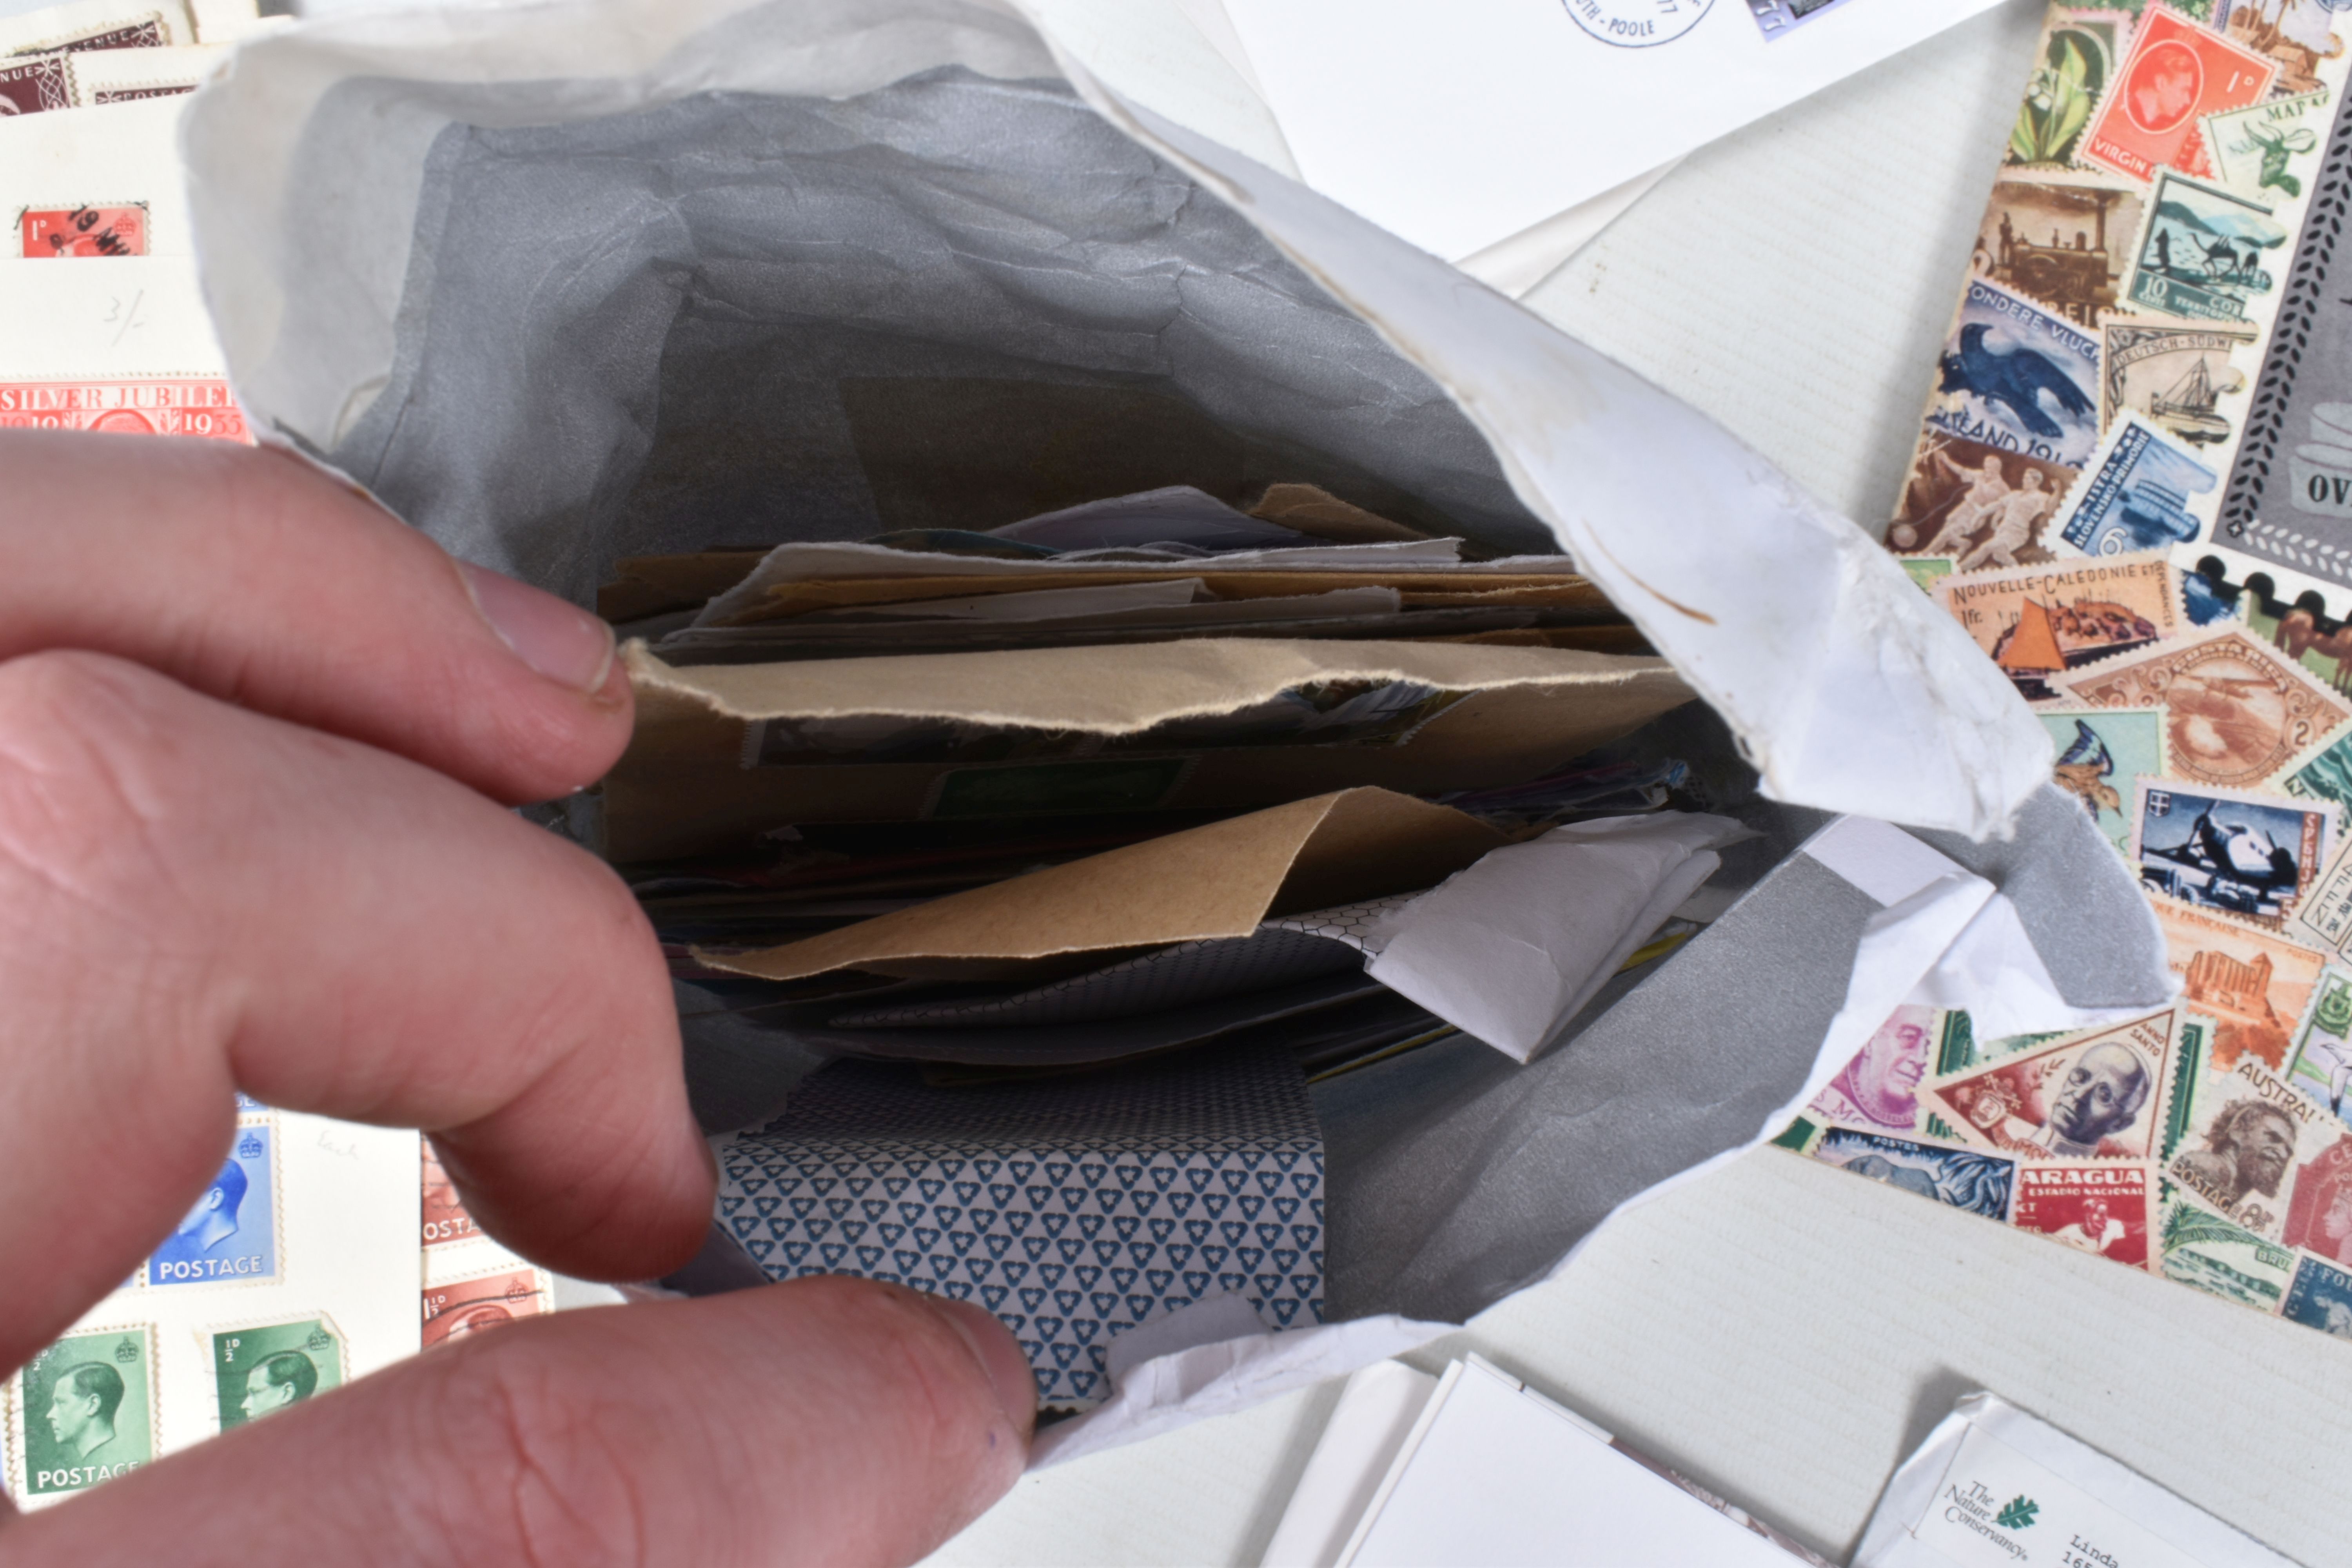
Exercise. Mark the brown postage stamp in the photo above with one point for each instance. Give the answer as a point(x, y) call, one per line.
point(2235, 711)
point(2040, 622)
point(2093, 1094)
point(470, 1306)
point(2253, 985)
point(2249, 1131)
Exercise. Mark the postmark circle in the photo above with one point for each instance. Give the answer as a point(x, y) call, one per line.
point(1637, 24)
point(2164, 87)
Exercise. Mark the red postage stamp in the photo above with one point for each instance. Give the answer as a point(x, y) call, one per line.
point(164, 406)
point(445, 1219)
point(2100, 1209)
point(470, 1306)
point(2177, 73)
point(43, 233)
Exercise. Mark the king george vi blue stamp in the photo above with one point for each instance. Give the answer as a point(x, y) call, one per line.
point(230, 1236)
point(2017, 377)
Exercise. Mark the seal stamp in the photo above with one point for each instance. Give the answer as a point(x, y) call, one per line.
point(85, 1412)
point(1637, 24)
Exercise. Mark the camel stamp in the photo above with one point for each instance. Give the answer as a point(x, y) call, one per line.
point(84, 1412)
point(2205, 252)
point(1980, 1183)
point(2252, 856)
point(2019, 378)
point(51, 233)
point(230, 1236)
point(463, 1306)
point(259, 1370)
point(2039, 622)
point(2177, 73)
point(2236, 711)
point(2104, 1210)
point(2101, 753)
point(2255, 986)
point(2093, 1094)
point(2136, 494)
point(2248, 1132)
point(1961, 493)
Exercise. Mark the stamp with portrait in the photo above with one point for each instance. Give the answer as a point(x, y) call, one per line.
point(1959, 491)
point(462, 1307)
point(2200, 1248)
point(269, 1366)
point(2265, 150)
point(2106, 1210)
point(157, 405)
point(2255, 986)
point(2248, 1132)
point(2063, 238)
point(34, 84)
point(2236, 711)
point(2038, 623)
point(49, 233)
point(1637, 24)
point(2177, 73)
point(2136, 494)
point(2093, 1095)
point(1878, 1090)
point(1980, 1183)
point(230, 1236)
point(2018, 378)
point(2252, 856)
point(84, 1412)
point(445, 1219)
point(2322, 1068)
point(2177, 375)
point(2100, 754)
point(2205, 252)
point(2320, 1297)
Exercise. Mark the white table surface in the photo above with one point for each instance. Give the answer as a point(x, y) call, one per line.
point(1783, 1333)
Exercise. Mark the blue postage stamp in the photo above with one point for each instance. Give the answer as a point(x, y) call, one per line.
point(1779, 18)
point(2320, 1298)
point(2017, 377)
point(2136, 498)
point(231, 1234)
point(2253, 856)
point(1979, 1183)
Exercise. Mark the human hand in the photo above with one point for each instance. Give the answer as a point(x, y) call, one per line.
point(255, 741)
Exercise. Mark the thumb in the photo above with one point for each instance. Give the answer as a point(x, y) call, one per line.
point(826, 1420)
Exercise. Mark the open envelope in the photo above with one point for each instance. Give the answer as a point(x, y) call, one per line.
point(631, 280)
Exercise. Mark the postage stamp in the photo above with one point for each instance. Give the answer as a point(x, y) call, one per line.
point(2253, 985)
point(2203, 251)
point(2319, 1206)
point(45, 233)
point(2177, 73)
point(1779, 18)
point(2320, 1298)
point(2235, 711)
point(163, 406)
point(2251, 856)
point(2019, 378)
point(2102, 1209)
point(2327, 914)
point(2248, 1131)
point(2099, 755)
point(2264, 149)
point(2037, 622)
point(126, 29)
point(231, 1234)
point(2322, 1048)
point(445, 1219)
point(470, 1306)
point(1926, 571)
point(2174, 374)
point(2095, 1094)
point(2135, 494)
point(2293, 35)
point(2192, 1044)
point(2062, 238)
point(1961, 492)
point(272, 1365)
point(1880, 1087)
point(2201, 1248)
point(85, 1412)
point(2327, 776)
point(1980, 1183)
point(1638, 24)
point(35, 84)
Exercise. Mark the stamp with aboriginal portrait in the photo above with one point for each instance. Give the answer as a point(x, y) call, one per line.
point(2100, 754)
point(2103, 1209)
point(2235, 711)
point(84, 1412)
point(462, 1306)
point(2320, 1298)
point(2096, 1094)
point(2136, 494)
point(2041, 621)
point(2222, 1258)
point(2177, 73)
point(266, 1368)
point(49, 233)
point(231, 1234)
point(1980, 1183)
point(2248, 1132)
point(1961, 492)
point(2019, 378)
point(2254, 856)
point(2254, 986)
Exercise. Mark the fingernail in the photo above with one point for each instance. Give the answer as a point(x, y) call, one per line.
point(558, 640)
point(999, 1354)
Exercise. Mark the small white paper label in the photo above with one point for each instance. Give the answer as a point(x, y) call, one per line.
point(1998, 1507)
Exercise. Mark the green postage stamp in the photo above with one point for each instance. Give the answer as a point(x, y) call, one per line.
point(85, 1412)
point(259, 1369)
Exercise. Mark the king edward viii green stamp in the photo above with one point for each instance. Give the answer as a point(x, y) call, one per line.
point(256, 1371)
point(87, 1410)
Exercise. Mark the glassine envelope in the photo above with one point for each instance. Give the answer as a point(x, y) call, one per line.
point(1460, 134)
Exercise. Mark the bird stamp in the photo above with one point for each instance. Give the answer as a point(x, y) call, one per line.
point(2177, 73)
point(2101, 755)
point(2041, 621)
point(2236, 711)
point(2252, 856)
point(2018, 377)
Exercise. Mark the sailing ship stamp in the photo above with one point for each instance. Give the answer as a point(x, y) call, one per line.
point(2174, 374)
point(2235, 711)
point(2037, 622)
point(2177, 73)
point(2137, 495)
point(2253, 857)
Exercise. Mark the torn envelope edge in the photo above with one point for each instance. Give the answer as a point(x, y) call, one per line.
point(1846, 686)
point(1220, 879)
point(1940, 934)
